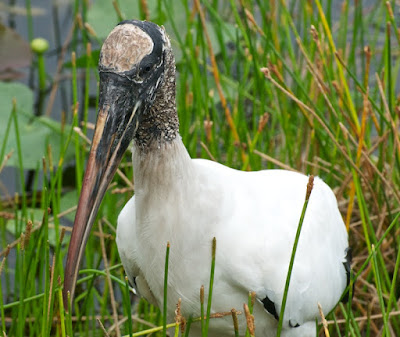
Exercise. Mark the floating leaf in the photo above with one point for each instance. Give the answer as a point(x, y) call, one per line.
point(35, 132)
point(69, 200)
point(36, 216)
point(103, 18)
point(15, 53)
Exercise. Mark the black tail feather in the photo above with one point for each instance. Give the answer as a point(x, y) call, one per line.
point(347, 267)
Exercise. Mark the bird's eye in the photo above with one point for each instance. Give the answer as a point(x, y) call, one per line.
point(144, 70)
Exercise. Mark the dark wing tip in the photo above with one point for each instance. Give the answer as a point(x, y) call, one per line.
point(347, 267)
point(270, 307)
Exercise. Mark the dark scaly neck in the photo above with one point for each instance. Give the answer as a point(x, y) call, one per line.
point(160, 124)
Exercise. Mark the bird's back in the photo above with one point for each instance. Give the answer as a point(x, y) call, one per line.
point(261, 212)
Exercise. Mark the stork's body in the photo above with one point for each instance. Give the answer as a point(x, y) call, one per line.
point(253, 215)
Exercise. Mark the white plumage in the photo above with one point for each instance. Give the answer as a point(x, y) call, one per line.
point(254, 217)
point(186, 202)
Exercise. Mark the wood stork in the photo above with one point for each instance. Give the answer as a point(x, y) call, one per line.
point(253, 215)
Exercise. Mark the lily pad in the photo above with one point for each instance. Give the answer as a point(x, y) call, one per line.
point(67, 201)
point(103, 18)
point(35, 132)
point(15, 53)
point(35, 215)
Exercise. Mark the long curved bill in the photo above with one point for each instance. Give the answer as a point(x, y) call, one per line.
point(115, 127)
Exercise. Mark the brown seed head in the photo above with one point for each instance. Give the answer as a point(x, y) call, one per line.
point(266, 72)
point(249, 320)
point(28, 231)
point(22, 241)
point(263, 121)
point(235, 320)
point(310, 186)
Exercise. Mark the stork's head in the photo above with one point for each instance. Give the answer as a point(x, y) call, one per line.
point(133, 56)
point(132, 66)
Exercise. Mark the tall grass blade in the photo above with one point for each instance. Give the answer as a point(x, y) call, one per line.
point(165, 306)
point(380, 293)
point(294, 249)
point(211, 286)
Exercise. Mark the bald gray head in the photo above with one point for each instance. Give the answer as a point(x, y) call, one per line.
point(136, 51)
point(125, 48)
point(137, 82)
